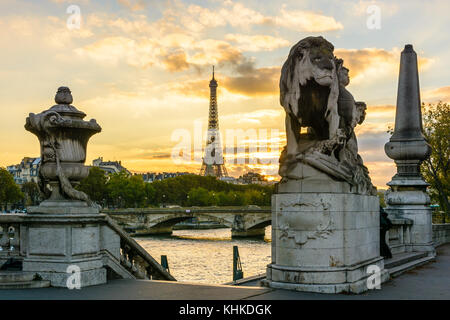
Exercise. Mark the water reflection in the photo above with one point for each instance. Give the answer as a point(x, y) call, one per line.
point(206, 256)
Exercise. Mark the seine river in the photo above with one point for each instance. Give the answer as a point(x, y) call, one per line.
point(206, 256)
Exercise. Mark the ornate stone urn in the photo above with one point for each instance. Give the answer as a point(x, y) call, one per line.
point(63, 136)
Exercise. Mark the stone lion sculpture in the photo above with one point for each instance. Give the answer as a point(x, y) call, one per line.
point(321, 115)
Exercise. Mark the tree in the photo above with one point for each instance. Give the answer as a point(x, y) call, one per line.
point(200, 197)
point(116, 188)
point(436, 169)
point(150, 194)
point(253, 197)
point(31, 192)
point(94, 185)
point(380, 194)
point(120, 189)
point(9, 190)
point(134, 194)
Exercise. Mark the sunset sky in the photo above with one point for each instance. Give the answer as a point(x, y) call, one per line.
point(142, 68)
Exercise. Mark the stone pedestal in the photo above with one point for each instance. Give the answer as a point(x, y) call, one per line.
point(63, 207)
point(407, 201)
point(55, 242)
point(324, 242)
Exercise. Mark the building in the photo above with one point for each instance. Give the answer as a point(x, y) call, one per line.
point(229, 179)
point(26, 171)
point(153, 176)
point(213, 160)
point(109, 166)
point(252, 178)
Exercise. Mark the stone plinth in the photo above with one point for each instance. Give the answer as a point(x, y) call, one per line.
point(63, 207)
point(55, 242)
point(324, 242)
point(415, 206)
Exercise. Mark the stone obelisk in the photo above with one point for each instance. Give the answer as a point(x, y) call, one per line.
point(407, 197)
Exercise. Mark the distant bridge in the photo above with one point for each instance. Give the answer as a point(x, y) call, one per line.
point(246, 221)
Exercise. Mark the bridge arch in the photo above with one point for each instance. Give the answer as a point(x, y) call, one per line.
point(261, 224)
point(156, 221)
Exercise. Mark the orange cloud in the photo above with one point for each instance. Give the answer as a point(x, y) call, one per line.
point(134, 5)
point(382, 113)
point(196, 88)
point(176, 61)
point(235, 14)
point(381, 172)
point(113, 50)
point(256, 42)
point(439, 94)
point(374, 63)
point(262, 81)
point(307, 21)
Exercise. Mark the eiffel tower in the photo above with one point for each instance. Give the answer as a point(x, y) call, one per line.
point(213, 161)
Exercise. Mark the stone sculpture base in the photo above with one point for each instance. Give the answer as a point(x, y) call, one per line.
point(56, 242)
point(415, 206)
point(63, 207)
point(324, 242)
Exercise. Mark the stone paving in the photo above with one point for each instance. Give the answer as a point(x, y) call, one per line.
point(431, 281)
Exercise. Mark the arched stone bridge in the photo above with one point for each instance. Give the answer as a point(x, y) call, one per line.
point(247, 221)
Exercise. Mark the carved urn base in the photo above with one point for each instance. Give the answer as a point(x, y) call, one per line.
point(325, 242)
point(67, 250)
point(63, 207)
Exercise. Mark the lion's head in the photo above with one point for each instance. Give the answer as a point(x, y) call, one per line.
point(310, 58)
point(308, 79)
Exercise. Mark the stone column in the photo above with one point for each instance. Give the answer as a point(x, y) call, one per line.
point(407, 197)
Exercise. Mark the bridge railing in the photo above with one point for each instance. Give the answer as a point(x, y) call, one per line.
point(136, 259)
point(10, 239)
point(399, 236)
point(128, 261)
point(227, 209)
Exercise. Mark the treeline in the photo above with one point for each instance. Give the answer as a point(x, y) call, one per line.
point(13, 196)
point(10, 192)
point(119, 190)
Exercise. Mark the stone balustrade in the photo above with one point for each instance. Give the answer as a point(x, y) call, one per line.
point(441, 234)
point(9, 239)
point(10, 245)
point(35, 240)
point(399, 236)
point(136, 259)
